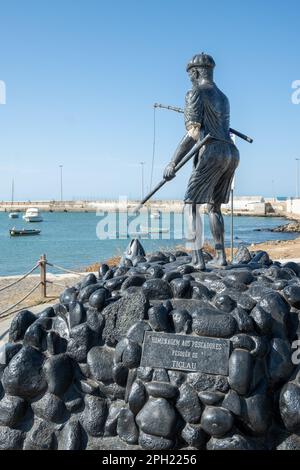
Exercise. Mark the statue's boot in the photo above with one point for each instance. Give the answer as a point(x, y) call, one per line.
point(198, 259)
point(219, 259)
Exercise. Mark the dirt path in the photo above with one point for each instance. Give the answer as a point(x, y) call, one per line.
point(280, 249)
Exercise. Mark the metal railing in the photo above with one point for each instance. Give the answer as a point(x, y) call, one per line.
point(41, 265)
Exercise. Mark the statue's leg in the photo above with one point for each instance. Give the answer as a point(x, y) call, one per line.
point(196, 236)
point(216, 223)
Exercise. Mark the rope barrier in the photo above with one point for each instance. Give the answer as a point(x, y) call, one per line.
point(43, 281)
point(64, 269)
point(56, 283)
point(20, 279)
point(20, 301)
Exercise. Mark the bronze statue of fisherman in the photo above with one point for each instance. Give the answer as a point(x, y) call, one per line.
point(207, 112)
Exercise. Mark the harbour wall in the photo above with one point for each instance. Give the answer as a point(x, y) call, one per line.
point(242, 205)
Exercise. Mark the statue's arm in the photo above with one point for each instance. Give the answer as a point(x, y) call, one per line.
point(185, 145)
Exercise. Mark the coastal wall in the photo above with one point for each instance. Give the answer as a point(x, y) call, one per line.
point(293, 207)
point(243, 205)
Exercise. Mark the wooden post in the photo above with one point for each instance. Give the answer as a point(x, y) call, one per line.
point(42, 262)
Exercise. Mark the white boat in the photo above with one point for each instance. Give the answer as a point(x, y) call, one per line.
point(155, 215)
point(13, 215)
point(32, 215)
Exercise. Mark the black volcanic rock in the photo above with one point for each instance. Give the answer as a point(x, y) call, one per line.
point(216, 421)
point(19, 325)
point(157, 289)
point(290, 406)
point(24, 375)
point(122, 314)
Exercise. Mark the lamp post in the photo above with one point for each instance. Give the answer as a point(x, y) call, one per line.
point(61, 182)
point(297, 177)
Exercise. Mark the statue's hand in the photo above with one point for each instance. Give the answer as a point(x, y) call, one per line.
point(169, 172)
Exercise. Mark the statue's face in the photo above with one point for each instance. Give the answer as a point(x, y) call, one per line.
point(193, 74)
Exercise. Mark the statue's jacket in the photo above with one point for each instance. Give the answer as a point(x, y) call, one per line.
point(214, 166)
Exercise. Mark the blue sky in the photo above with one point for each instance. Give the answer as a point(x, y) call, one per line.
point(82, 77)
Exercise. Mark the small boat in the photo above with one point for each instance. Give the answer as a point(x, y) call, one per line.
point(23, 232)
point(155, 215)
point(13, 215)
point(32, 215)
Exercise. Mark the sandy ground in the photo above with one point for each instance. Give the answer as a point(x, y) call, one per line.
point(280, 249)
point(34, 302)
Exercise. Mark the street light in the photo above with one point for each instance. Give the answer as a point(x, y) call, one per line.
point(297, 176)
point(61, 183)
point(142, 188)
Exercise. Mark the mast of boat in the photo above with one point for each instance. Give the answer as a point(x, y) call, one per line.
point(12, 193)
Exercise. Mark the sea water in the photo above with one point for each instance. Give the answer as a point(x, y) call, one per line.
point(70, 239)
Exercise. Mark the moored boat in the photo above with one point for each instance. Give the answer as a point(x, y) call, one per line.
point(23, 232)
point(13, 215)
point(32, 215)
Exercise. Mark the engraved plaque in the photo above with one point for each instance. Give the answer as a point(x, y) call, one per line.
point(186, 352)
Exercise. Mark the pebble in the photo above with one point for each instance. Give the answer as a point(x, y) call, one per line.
point(279, 361)
point(77, 314)
point(155, 272)
point(132, 355)
point(137, 331)
point(157, 418)
point(58, 372)
point(40, 437)
point(11, 439)
point(161, 390)
point(292, 296)
point(289, 405)
point(159, 318)
point(98, 298)
point(137, 396)
point(94, 415)
point(70, 438)
point(224, 303)
point(19, 325)
point(188, 404)
point(112, 418)
point(214, 325)
point(182, 321)
point(210, 398)
point(88, 280)
point(12, 410)
point(149, 442)
point(122, 314)
point(80, 342)
point(24, 376)
point(194, 436)
point(240, 371)
point(216, 421)
point(157, 289)
point(181, 288)
point(262, 320)
point(50, 408)
point(126, 427)
point(69, 295)
point(100, 362)
point(86, 292)
point(232, 442)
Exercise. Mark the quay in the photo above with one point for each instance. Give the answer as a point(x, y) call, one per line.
point(242, 205)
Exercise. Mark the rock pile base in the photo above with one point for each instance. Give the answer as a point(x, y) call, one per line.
point(71, 376)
